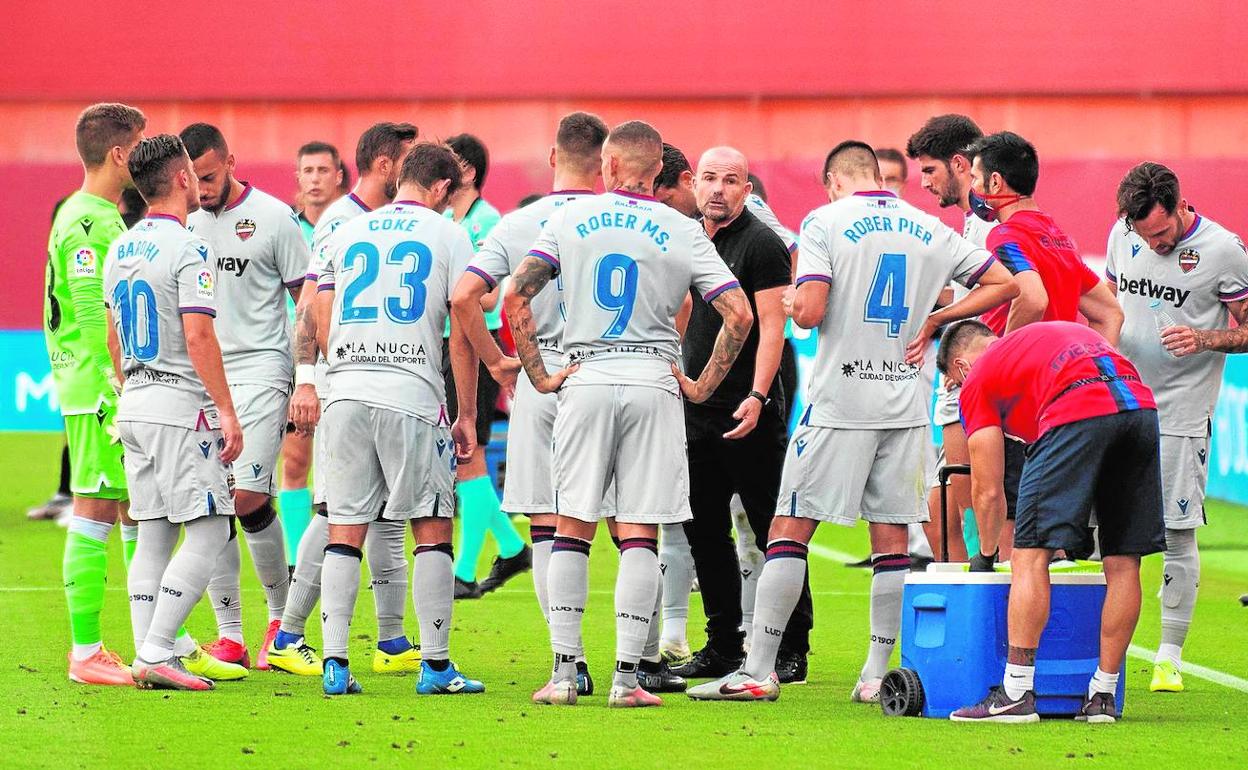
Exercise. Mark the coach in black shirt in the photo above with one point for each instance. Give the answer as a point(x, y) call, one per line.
point(737, 438)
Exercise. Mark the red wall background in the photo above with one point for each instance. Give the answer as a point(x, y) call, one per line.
point(1096, 86)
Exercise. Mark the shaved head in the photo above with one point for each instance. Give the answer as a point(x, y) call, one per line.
point(634, 151)
point(853, 159)
point(725, 159)
point(721, 185)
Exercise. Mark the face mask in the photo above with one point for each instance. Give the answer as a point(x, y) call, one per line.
point(987, 211)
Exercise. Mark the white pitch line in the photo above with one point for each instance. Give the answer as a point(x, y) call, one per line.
point(1136, 651)
point(1198, 671)
point(832, 554)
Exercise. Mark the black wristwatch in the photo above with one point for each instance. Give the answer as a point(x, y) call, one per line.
point(762, 398)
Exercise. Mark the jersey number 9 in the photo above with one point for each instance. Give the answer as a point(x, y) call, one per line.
point(135, 305)
point(886, 301)
point(615, 289)
point(406, 307)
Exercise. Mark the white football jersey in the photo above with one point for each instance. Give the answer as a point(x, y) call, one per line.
point(344, 209)
point(759, 208)
point(392, 271)
point(627, 262)
point(507, 246)
point(1188, 287)
point(886, 263)
point(154, 274)
point(260, 254)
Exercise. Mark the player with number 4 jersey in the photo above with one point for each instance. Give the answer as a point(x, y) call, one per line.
point(869, 267)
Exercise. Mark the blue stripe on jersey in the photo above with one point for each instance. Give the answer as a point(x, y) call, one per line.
point(489, 280)
point(980, 272)
point(1233, 296)
point(813, 277)
point(1123, 396)
point(547, 258)
point(1011, 255)
point(713, 293)
point(806, 415)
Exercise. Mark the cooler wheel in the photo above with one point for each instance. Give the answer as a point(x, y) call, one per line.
point(901, 693)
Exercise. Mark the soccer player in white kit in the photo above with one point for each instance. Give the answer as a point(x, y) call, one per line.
point(379, 156)
point(529, 486)
point(626, 262)
point(1179, 277)
point(261, 255)
point(176, 417)
point(384, 296)
point(869, 267)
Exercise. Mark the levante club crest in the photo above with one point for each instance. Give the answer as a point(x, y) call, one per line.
point(247, 228)
point(1188, 260)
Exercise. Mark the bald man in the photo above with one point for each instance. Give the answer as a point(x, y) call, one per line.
point(625, 262)
point(737, 437)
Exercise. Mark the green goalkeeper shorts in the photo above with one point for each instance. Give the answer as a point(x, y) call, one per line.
point(95, 454)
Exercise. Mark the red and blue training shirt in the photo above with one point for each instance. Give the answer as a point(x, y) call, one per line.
point(1031, 240)
point(1048, 374)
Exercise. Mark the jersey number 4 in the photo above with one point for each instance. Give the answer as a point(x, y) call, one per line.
point(404, 308)
point(139, 334)
point(886, 301)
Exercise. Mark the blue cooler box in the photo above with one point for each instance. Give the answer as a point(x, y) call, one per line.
point(953, 636)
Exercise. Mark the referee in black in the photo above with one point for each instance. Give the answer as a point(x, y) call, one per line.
point(737, 438)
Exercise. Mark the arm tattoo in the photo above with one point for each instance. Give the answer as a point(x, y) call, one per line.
point(738, 319)
point(305, 334)
point(530, 278)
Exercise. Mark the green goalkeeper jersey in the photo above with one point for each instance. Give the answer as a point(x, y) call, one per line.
point(75, 323)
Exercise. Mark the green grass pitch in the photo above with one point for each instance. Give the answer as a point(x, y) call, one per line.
point(273, 720)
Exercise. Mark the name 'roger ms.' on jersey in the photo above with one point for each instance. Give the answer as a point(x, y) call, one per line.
point(392, 271)
point(157, 272)
point(886, 263)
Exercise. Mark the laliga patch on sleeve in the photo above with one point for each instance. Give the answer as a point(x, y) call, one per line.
point(85, 263)
point(204, 284)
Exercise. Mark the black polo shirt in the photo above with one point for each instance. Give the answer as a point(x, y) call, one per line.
point(760, 261)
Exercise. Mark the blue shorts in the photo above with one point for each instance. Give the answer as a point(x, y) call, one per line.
point(1111, 462)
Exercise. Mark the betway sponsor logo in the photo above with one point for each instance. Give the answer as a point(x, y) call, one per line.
point(1146, 287)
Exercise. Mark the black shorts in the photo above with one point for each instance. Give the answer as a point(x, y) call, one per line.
point(487, 394)
point(1015, 458)
point(1111, 462)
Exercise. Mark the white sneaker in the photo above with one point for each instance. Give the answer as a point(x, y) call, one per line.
point(866, 691)
point(738, 686)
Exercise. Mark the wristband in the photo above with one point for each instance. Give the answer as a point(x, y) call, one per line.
point(305, 374)
point(761, 398)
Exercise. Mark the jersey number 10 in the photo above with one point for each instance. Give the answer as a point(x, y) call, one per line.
point(399, 308)
point(132, 303)
point(886, 301)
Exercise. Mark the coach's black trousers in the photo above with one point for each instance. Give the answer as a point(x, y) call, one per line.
point(719, 468)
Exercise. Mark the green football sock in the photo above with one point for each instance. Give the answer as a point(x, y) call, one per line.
point(295, 506)
point(477, 505)
point(509, 541)
point(970, 532)
point(85, 568)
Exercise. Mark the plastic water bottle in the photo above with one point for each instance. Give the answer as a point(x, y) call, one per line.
point(1164, 321)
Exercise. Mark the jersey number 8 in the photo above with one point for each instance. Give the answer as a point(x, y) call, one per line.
point(136, 303)
point(615, 289)
point(399, 308)
point(886, 301)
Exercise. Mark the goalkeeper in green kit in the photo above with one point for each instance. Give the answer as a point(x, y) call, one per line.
point(75, 326)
